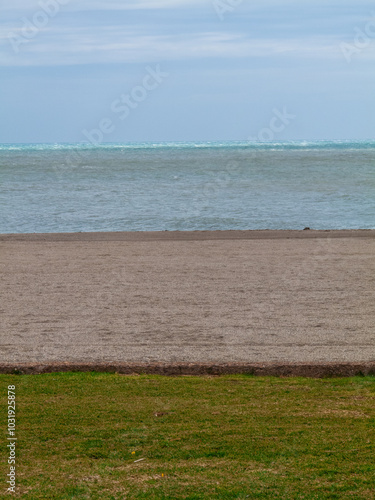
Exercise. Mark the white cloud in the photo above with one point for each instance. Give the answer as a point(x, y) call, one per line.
point(118, 45)
point(140, 4)
point(81, 38)
point(29, 5)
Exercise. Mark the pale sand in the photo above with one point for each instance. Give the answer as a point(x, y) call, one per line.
point(196, 297)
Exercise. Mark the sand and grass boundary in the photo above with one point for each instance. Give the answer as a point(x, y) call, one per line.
point(323, 370)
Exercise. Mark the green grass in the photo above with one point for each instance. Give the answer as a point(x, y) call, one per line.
point(231, 437)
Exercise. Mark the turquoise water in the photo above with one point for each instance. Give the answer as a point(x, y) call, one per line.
point(186, 186)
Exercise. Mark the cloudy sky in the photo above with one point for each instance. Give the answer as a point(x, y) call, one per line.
point(222, 69)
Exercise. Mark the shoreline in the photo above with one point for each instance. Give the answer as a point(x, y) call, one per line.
point(206, 235)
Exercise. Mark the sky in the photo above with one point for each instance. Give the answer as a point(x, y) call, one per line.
point(186, 70)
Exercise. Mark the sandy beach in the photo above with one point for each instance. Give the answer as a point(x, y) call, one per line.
point(220, 297)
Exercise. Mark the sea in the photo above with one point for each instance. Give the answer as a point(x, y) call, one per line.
point(48, 188)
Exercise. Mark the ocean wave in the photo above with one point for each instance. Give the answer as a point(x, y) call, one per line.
point(271, 146)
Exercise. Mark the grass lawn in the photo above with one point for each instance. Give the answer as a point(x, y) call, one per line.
point(230, 437)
